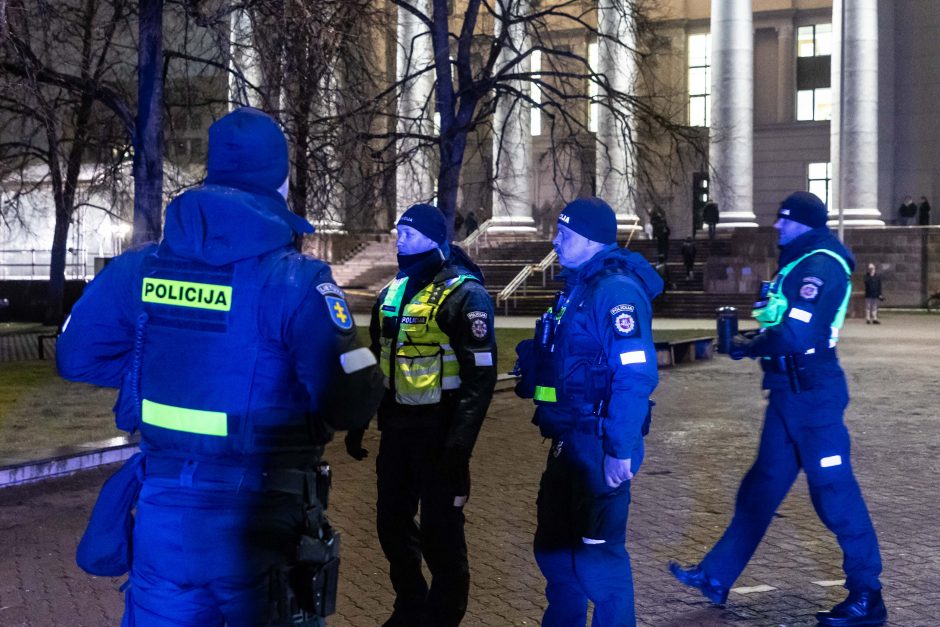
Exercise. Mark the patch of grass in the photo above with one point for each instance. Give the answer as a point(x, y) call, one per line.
point(40, 411)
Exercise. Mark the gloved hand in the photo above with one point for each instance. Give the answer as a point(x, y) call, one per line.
point(525, 369)
point(353, 442)
point(455, 471)
point(616, 471)
point(740, 347)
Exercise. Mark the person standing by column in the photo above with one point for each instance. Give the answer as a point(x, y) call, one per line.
point(710, 217)
point(923, 212)
point(907, 212)
point(592, 368)
point(432, 329)
point(803, 426)
point(872, 294)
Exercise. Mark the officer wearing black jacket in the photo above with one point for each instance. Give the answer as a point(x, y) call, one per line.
point(800, 316)
point(432, 330)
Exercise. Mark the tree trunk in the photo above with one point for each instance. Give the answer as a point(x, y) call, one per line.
point(56, 294)
point(148, 142)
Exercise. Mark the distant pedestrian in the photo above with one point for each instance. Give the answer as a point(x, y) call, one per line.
point(923, 212)
point(458, 223)
point(688, 256)
point(710, 217)
point(872, 294)
point(907, 212)
point(470, 224)
point(662, 239)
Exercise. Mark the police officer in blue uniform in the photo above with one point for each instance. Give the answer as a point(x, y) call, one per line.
point(800, 316)
point(432, 330)
point(593, 368)
point(236, 358)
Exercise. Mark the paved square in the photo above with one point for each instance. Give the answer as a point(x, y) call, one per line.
point(704, 435)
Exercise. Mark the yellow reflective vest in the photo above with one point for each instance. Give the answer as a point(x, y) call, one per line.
point(421, 357)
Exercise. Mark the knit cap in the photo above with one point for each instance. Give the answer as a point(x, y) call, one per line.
point(427, 220)
point(248, 151)
point(805, 208)
point(592, 218)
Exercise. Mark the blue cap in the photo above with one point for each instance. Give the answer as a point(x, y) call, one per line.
point(592, 218)
point(427, 220)
point(248, 151)
point(805, 208)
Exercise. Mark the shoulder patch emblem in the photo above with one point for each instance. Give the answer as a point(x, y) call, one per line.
point(330, 288)
point(479, 329)
point(809, 291)
point(814, 280)
point(339, 312)
point(623, 318)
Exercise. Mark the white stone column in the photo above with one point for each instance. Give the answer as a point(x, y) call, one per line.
point(731, 136)
point(243, 59)
point(415, 74)
point(330, 196)
point(615, 157)
point(512, 135)
point(786, 62)
point(854, 129)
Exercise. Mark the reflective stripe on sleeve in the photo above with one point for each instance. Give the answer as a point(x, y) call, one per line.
point(544, 394)
point(356, 360)
point(183, 419)
point(801, 314)
point(832, 460)
point(483, 359)
point(632, 357)
point(450, 383)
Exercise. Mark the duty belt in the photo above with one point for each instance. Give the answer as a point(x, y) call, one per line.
point(779, 363)
point(206, 475)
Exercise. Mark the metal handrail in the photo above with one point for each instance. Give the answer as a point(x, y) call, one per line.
point(471, 239)
point(510, 290)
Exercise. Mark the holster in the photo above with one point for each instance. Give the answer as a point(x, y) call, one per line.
point(307, 587)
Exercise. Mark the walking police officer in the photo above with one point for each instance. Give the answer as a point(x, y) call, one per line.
point(800, 317)
point(593, 366)
point(432, 328)
point(236, 357)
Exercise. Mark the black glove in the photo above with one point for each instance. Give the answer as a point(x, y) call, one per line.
point(455, 468)
point(354, 444)
point(740, 347)
point(525, 369)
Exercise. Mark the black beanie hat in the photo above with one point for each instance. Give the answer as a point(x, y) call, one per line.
point(247, 147)
point(805, 208)
point(427, 220)
point(592, 218)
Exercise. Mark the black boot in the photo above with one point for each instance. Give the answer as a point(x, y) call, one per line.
point(862, 607)
point(695, 577)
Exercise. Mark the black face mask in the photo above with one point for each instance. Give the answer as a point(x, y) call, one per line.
point(420, 264)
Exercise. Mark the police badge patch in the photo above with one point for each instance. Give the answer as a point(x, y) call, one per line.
point(809, 291)
point(339, 312)
point(623, 318)
point(478, 328)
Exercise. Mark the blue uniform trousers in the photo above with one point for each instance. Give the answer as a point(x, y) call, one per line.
point(805, 431)
point(204, 552)
point(581, 535)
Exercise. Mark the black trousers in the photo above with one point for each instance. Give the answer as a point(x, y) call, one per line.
point(408, 469)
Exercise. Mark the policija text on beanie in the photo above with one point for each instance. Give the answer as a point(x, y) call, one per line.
point(805, 208)
point(427, 220)
point(591, 218)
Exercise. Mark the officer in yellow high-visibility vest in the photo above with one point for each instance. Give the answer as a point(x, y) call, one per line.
point(432, 331)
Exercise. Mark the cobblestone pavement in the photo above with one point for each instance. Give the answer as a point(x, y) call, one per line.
point(703, 440)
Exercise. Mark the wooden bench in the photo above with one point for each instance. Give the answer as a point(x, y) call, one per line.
point(41, 342)
point(668, 354)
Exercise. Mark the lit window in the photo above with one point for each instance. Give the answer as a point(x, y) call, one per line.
point(819, 181)
point(593, 90)
point(536, 94)
point(700, 79)
point(813, 67)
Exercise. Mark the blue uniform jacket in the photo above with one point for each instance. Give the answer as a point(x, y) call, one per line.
point(606, 326)
point(303, 340)
point(814, 290)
